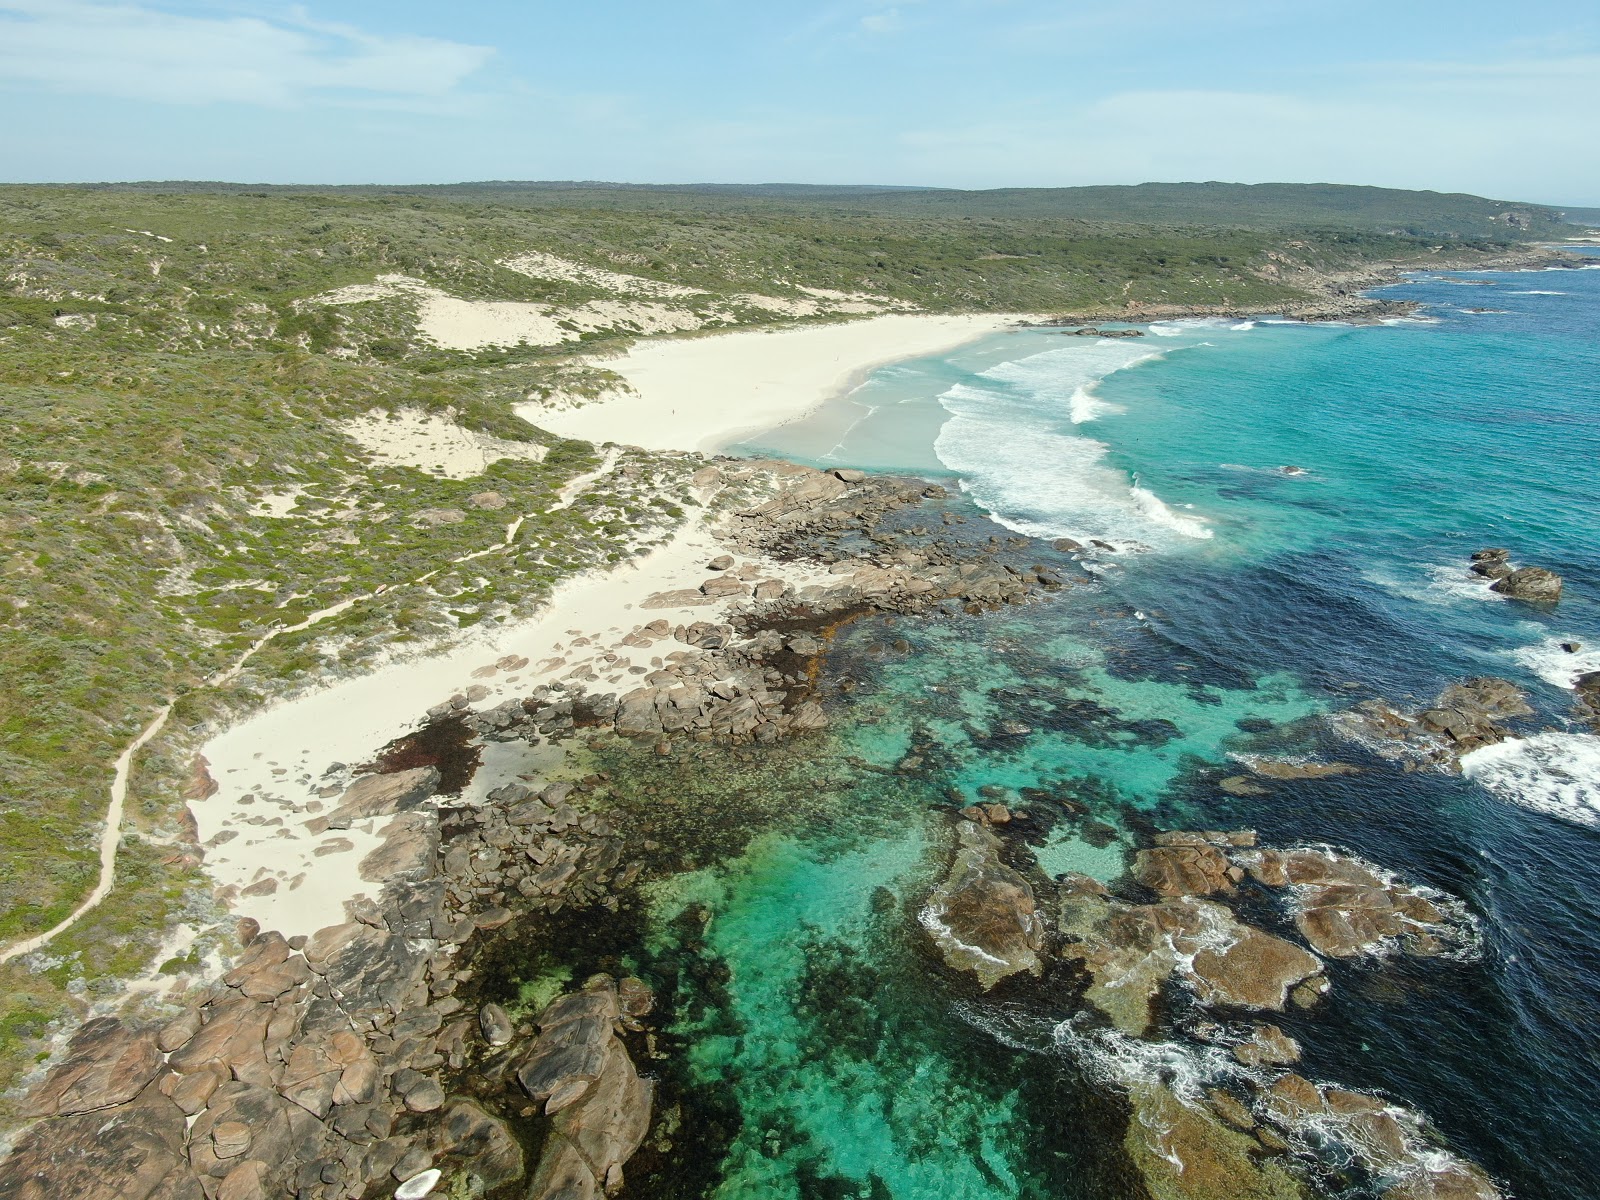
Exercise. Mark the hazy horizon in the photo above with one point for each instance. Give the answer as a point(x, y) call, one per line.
point(972, 94)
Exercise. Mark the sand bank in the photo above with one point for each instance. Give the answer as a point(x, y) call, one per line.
point(278, 769)
point(706, 393)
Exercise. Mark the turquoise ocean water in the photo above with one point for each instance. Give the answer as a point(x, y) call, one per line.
point(1293, 507)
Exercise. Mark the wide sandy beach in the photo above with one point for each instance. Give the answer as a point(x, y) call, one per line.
point(707, 393)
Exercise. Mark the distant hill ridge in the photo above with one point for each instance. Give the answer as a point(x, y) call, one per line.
point(1448, 215)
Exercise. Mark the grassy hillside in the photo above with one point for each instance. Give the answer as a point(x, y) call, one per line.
point(179, 474)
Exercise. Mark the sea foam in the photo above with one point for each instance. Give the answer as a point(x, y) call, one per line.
point(1009, 439)
point(1556, 666)
point(1552, 772)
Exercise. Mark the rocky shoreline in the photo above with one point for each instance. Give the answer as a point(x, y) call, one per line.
point(345, 1063)
point(1337, 295)
point(365, 1060)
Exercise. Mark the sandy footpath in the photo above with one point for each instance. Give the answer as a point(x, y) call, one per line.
point(706, 393)
point(279, 768)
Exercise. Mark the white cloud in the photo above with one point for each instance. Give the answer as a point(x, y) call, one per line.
point(1491, 128)
point(883, 22)
point(141, 53)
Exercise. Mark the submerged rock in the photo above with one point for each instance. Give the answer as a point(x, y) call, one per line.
point(1185, 1153)
point(983, 917)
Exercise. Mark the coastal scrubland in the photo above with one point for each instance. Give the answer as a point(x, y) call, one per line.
point(186, 373)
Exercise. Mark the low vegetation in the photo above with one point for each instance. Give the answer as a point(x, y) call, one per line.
point(177, 475)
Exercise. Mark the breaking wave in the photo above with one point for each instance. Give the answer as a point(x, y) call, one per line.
point(1011, 438)
point(1553, 772)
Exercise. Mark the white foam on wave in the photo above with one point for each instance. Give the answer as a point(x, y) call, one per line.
point(1536, 292)
point(1008, 442)
point(1435, 583)
point(1086, 405)
point(1159, 512)
point(1552, 772)
point(1556, 666)
point(1178, 326)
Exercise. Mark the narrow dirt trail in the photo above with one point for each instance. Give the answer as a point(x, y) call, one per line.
point(111, 835)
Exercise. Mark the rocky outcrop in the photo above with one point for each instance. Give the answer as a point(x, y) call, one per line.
point(1347, 908)
point(1184, 864)
point(1185, 1152)
point(1386, 1139)
point(378, 795)
point(1464, 717)
point(1532, 584)
point(1586, 688)
point(982, 917)
point(107, 1064)
point(1130, 951)
point(581, 1073)
point(314, 1071)
point(135, 1151)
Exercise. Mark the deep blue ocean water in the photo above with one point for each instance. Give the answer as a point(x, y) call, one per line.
point(1293, 507)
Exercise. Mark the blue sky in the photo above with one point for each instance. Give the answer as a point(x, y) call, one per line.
point(1466, 96)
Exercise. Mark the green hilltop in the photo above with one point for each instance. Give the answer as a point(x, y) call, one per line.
point(1262, 206)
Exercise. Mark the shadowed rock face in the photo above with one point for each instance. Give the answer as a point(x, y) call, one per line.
point(983, 917)
point(581, 1072)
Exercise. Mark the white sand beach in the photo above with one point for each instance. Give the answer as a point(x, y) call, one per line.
point(706, 393)
point(277, 769)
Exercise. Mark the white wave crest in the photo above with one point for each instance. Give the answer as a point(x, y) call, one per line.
point(1552, 772)
point(1086, 405)
point(1556, 666)
point(1015, 455)
point(1536, 292)
point(1157, 509)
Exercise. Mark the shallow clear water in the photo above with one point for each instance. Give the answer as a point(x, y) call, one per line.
point(1242, 602)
